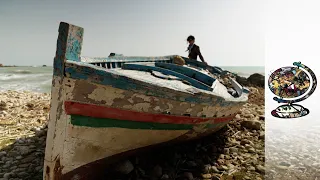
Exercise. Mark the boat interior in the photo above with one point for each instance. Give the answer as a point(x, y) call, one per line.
point(192, 72)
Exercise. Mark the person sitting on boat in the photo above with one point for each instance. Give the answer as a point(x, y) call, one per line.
point(194, 50)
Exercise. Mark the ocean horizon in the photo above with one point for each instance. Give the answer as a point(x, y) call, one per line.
point(39, 78)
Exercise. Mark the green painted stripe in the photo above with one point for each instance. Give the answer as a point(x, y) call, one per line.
point(78, 120)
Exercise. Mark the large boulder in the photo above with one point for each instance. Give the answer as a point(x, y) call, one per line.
point(242, 80)
point(256, 79)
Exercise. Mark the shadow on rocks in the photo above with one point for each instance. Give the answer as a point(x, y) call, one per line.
point(187, 160)
point(23, 159)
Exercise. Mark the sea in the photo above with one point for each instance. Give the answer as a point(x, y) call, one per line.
point(38, 79)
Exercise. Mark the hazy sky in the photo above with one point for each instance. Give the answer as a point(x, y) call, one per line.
point(229, 32)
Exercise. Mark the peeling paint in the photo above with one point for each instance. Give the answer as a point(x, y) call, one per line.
point(108, 94)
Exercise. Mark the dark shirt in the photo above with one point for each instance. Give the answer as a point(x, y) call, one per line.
point(195, 52)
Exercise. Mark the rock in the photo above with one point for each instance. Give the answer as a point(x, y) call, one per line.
point(225, 168)
point(251, 168)
point(188, 175)
point(242, 80)
point(124, 167)
point(157, 171)
point(3, 105)
point(191, 164)
point(207, 168)
point(7, 175)
point(251, 150)
point(260, 169)
point(165, 177)
point(233, 150)
point(215, 177)
point(226, 151)
point(262, 135)
point(3, 153)
point(282, 167)
point(206, 176)
point(256, 79)
point(284, 164)
point(214, 169)
point(22, 174)
point(251, 124)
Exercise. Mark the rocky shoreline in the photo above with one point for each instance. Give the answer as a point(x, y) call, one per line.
point(236, 151)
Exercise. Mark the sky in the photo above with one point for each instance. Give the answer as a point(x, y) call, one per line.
point(229, 32)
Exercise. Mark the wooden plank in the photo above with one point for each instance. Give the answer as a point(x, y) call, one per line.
point(204, 78)
point(69, 46)
point(143, 67)
point(89, 110)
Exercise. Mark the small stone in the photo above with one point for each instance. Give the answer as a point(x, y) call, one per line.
point(225, 168)
point(22, 174)
point(165, 177)
point(124, 167)
point(261, 117)
point(214, 169)
point(233, 149)
point(206, 176)
point(3, 153)
point(284, 164)
point(251, 150)
point(191, 164)
point(19, 157)
point(157, 171)
point(188, 175)
point(251, 168)
point(215, 177)
point(251, 124)
point(220, 161)
point(7, 175)
point(221, 156)
point(38, 168)
point(226, 151)
point(207, 168)
point(260, 169)
point(262, 135)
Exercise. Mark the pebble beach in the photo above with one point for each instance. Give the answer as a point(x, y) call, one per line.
point(237, 151)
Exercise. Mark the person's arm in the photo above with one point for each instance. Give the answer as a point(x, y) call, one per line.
point(200, 55)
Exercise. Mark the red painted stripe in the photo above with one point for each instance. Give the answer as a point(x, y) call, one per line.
point(75, 108)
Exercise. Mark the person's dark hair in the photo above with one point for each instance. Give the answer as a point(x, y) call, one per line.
point(190, 38)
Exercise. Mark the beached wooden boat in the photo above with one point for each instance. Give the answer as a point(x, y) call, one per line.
point(106, 107)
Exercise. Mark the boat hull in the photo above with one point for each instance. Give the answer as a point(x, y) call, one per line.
point(89, 125)
point(99, 115)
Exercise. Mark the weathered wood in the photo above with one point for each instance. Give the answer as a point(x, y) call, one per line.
point(69, 46)
point(75, 70)
point(95, 94)
point(89, 110)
